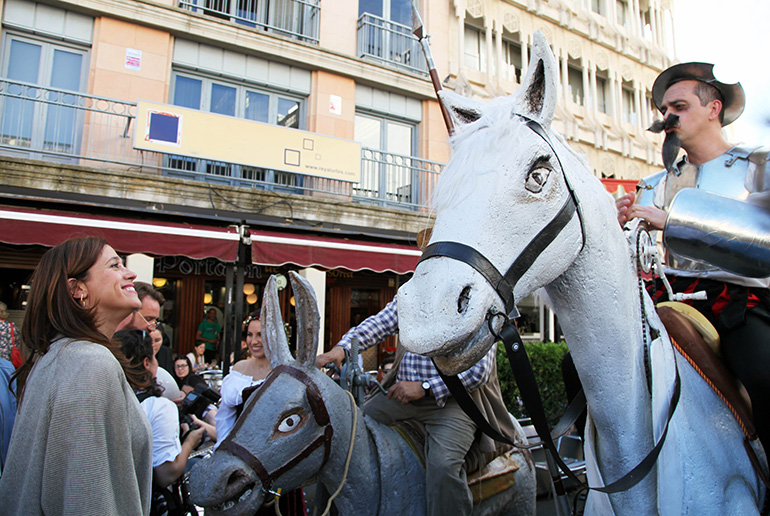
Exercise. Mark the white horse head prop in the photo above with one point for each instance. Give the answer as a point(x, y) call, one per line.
point(516, 210)
point(505, 156)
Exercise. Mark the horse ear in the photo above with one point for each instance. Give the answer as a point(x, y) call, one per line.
point(461, 109)
point(273, 334)
point(308, 320)
point(538, 100)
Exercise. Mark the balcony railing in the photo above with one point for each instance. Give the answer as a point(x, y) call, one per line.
point(296, 19)
point(390, 43)
point(70, 127)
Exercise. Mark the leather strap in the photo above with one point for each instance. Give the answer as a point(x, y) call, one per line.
point(479, 262)
point(320, 413)
point(457, 389)
point(525, 379)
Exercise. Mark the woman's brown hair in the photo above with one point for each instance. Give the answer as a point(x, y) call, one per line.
point(52, 310)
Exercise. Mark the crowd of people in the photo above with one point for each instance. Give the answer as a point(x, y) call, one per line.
point(90, 392)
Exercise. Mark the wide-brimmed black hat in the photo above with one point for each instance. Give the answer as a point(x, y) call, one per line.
point(733, 95)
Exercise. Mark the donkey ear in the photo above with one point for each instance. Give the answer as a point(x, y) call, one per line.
point(461, 109)
point(537, 99)
point(273, 334)
point(308, 320)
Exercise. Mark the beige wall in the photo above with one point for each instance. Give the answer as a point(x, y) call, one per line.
point(337, 28)
point(320, 119)
point(109, 76)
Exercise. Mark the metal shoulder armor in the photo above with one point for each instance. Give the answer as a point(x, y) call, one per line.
point(645, 190)
point(758, 178)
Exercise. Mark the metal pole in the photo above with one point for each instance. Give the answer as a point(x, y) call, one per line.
point(417, 30)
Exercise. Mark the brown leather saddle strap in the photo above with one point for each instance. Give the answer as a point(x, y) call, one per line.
point(709, 366)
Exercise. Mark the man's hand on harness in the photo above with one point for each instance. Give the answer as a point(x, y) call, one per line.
point(405, 392)
point(627, 210)
point(335, 355)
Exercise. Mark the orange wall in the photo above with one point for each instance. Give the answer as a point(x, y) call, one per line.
point(109, 76)
point(320, 120)
point(434, 138)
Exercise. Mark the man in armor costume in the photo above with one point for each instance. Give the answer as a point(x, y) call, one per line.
point(711, 206)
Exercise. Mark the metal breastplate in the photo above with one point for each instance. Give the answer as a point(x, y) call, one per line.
point(725, 176)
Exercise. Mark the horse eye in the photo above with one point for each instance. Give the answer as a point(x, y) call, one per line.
point(536, 179)
point(289, 423)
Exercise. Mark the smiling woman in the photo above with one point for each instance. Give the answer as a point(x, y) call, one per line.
point(80, 431)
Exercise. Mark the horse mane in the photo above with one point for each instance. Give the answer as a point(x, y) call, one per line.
point(482, 139)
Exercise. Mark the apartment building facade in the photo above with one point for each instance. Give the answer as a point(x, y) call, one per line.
point(216, 142)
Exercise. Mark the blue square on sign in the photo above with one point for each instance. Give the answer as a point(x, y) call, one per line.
point(164, 128)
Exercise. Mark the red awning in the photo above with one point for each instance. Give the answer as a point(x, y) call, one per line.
point(306, 251)
point(612, 185)
point(30, 226)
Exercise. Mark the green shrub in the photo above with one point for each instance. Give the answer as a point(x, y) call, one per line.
point(545, 358)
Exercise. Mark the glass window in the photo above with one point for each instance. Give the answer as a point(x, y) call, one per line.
point(386, 170)
point(24, 61)
point(629, 105)
point(257, 106)
point(222, 100)
point(367, 131)
point(597, 6)
point(602, 94)
point(512, 58)
point(621, 8)
point(374, 7)
point(46, 122)
point(24, 66)
point(288, 113)
point(187, 92)
point(399, 11)
point(475, 49)
point(575, 84)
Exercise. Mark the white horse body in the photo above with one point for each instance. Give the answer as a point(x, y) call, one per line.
point(502, 186)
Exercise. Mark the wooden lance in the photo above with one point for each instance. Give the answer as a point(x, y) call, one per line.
point(417, 30)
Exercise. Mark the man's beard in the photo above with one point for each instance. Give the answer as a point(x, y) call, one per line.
point(671, 144)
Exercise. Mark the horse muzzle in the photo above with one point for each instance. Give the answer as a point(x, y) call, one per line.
point(447, 321)
point(225, 486)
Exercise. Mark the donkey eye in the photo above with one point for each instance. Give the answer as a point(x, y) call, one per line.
point(289, 423)
point(536, 179)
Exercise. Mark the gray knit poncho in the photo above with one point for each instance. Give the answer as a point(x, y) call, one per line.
point(81, 444)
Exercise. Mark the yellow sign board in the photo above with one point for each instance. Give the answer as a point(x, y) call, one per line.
point(197, 134)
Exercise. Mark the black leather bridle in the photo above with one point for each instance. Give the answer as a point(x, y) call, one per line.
point(320, 413)
point(505, 283)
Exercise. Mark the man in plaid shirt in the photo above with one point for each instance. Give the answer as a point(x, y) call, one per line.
point(420, 394)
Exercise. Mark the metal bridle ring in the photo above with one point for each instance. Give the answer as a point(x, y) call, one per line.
point(490, 318)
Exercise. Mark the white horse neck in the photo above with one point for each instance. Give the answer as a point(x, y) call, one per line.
point(597, 301)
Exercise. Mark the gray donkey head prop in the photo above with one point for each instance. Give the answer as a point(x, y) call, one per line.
point(284, 434)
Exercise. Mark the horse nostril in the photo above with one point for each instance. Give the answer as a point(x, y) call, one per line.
point(462, 301)
point(236, 477)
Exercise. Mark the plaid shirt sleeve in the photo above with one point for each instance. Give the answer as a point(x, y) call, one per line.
point(417, 368)
point(373, 329)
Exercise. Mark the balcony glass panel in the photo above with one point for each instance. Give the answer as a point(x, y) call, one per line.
point(390, 43)
point(296, 19)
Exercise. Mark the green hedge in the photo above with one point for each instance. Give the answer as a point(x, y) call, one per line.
point(546, 360)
